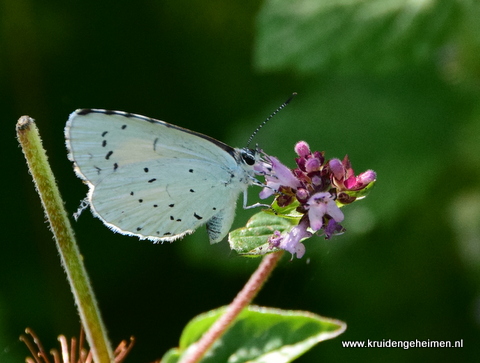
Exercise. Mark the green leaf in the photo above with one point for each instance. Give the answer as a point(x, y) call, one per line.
point(289, 211)
point(252, 240)
point(354, 35)
point(259, 334)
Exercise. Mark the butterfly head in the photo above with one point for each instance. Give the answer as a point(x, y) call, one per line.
point(249, 156)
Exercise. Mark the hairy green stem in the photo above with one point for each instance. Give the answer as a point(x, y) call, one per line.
point(29, 139)
point(241, 301)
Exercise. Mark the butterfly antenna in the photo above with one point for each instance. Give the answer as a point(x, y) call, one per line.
point(282, 106)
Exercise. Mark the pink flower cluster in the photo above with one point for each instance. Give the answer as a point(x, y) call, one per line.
point(317, 185)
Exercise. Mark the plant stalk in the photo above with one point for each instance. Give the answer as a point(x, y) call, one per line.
point(241, 301)
point(29, 138)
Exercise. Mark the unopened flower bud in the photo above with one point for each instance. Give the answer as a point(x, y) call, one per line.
point(367, 177)
point(302, 149)
point(337, 168)
point(312, 165)
point(302, 195)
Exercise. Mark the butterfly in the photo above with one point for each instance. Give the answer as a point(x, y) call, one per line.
point(154, 180)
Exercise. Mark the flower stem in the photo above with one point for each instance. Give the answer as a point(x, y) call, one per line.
point(29, 139)
point(241, 301)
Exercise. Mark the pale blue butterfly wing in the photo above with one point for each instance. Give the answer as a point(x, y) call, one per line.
point(155, 180)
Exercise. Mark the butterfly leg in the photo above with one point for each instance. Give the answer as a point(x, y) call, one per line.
point(83, 205)
point(256, 205)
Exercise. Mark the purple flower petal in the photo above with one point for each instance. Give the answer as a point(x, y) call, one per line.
point(334, 212)
point(319, 205)
point(283, 174)
point(265, 193)
point(291, 242)
point(333, 228)
point(275, 239)
point(316, 180)
point(350, 183)
point(300, 250)
point(315, 215)
point(276, 176)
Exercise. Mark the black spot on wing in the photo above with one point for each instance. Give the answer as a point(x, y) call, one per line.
point(171, 205)
point(192, 191)
point(115, 166)
point(104, 143)
point(104, 133)
point(124, 126)
point(108, 155)
point(197, 216)
point(152, 180)
point(145, 170)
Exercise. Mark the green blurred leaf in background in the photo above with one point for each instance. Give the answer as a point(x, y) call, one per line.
point(376, 36)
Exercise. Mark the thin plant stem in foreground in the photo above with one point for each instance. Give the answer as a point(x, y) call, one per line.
point(29, 139)
point(241, 301)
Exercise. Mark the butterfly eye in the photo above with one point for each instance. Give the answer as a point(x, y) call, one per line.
point(248, 156)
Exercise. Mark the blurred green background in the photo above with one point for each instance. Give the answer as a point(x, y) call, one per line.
point(395, 84)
